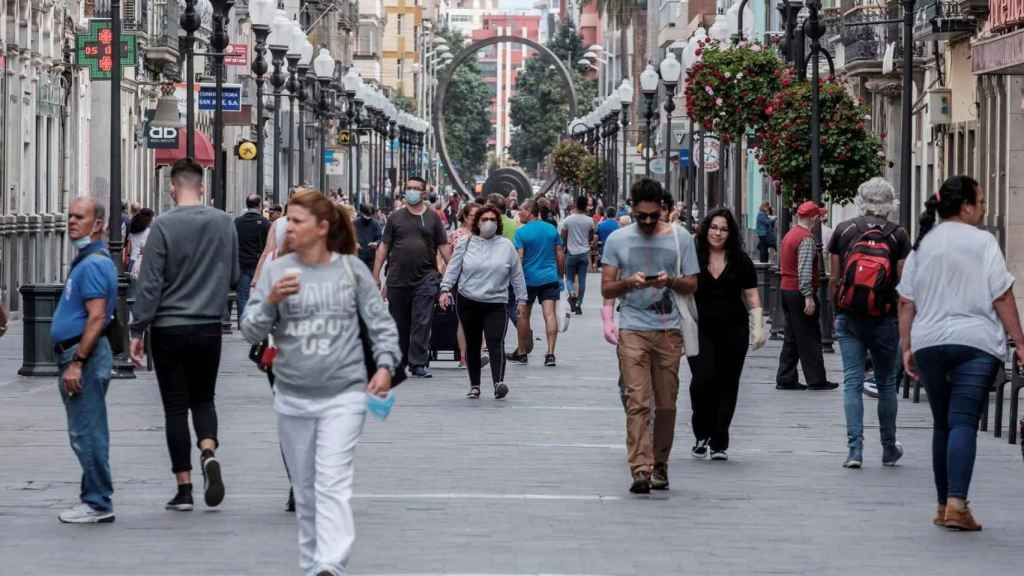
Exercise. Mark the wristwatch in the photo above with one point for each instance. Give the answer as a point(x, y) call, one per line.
point(79, 359)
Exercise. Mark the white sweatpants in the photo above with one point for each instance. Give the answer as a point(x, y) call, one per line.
point(319, 450)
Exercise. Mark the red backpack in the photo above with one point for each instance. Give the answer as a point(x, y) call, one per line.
point(868, 282)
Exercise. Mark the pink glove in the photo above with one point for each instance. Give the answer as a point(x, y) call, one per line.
point(611, 331)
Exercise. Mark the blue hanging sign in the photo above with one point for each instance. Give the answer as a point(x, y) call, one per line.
point(232, 97)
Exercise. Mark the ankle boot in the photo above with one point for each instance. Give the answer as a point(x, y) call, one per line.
point(960, 518)
point(940, 515)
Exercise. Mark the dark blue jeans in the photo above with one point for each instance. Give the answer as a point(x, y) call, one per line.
point(957, 379)
point(87, 423)
point(857, 338)
point(243, 290)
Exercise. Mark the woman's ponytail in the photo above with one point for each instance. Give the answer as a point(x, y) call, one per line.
point(946, 203)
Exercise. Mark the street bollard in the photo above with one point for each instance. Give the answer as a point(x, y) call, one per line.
point(764, 281)
point(39, 303)
point(827, 317)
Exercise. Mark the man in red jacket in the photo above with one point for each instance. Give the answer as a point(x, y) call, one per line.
point(799, 268)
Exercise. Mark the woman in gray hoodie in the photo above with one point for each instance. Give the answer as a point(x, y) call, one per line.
point(483, 266)
point(311, 300)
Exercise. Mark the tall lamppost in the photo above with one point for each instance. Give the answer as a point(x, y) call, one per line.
point(689, 59)
point(393, 145)
point(294, 55)
point(262, 14)
point(219, 43)
point(670, 69)
point(625, 95)
point(352, 83)
point(190, 22)
point(123, 367)
point(280, 37)
point(649, 88)
point(302, 70)
point(611, 173)
point(323, 67)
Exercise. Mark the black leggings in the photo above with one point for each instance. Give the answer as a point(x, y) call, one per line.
point(482, 320)
point(716, 381)
point(187, 359)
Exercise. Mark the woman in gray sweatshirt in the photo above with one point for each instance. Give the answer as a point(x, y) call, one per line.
point(483, 266)
point(311, 300)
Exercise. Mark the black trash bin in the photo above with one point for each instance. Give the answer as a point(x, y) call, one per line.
point(39, 304)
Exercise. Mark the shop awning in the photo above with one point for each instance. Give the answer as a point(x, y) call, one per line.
point(204, 151)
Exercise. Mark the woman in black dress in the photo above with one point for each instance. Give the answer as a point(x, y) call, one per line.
point(730, 319)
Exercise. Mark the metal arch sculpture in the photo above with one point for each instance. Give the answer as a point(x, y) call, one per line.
point(442, 95)
point(505, 180)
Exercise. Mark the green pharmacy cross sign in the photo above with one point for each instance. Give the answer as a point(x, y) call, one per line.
point(94, 49)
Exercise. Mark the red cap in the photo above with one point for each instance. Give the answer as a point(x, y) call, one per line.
point(808, 209)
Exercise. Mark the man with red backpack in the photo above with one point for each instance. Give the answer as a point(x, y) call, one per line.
point(867, 254)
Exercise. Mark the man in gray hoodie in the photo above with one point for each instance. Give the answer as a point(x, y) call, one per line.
point(189, 264)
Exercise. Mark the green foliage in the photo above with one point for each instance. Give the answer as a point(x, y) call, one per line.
point(850, 154)
point(404, 103)
point(730, 88)
point(467, 115)
point(623, 10)
point(570, 161)
point(539, 111)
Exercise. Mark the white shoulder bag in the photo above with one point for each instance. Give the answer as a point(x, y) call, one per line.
point(687, 306)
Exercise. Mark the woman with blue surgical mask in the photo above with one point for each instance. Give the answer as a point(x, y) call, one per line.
point(482, 266)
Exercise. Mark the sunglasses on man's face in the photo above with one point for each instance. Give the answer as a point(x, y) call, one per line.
point(647, 216)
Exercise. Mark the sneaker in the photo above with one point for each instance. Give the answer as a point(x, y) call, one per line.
point(213, 490)
point(549, 360)
point(960, 518)
point(641, 483)
point(325, 573)
point(719, 455)
point(854, 461)
point(82, 513)
point(421, 372)
point(871, 388)
point(484, 360)
point(892, 454)
point(290, 506)
point(182, 501)
point(500, 390)
point(659, 478)
point(517, 358)
point(823, 386)
point(700, 449)
point(793, 386)
point(572, 304)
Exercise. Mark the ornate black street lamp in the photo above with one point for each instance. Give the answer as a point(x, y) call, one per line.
point(649, 88)
point(292, 85)
point(280, 37)
point(323, 67)
point(262, 14)
point(352, 83)
point(625, 94)
point(190, 22)
point(670, 69)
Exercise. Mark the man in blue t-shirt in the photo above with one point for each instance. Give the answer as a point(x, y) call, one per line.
point(540, 249)
point(606, 227)
point(84, 357)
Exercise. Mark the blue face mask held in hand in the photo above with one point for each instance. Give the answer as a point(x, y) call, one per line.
point(380, 407)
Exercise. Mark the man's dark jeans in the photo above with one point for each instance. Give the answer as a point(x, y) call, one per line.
point(802, 342)
point(244, 281)
point(87, 423)
point(187, 359)
point(412, 307)
point(958, 379)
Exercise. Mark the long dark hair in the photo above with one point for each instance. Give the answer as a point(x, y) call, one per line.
point(733, 242)
point(141, 221)
point(954, 193)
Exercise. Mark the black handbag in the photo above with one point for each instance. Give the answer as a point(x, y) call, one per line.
point(399, 375)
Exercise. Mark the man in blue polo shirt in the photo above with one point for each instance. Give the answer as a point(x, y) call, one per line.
point(540, 249)
point(83, 355)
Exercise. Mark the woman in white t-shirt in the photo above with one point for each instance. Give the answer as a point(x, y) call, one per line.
point(956, 307)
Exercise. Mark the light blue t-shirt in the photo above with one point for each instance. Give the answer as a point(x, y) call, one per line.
point(605, 229)
point(647, 309)
point(538, 241)
point(94, 277)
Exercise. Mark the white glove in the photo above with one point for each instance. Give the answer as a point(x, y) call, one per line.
point(757, 336)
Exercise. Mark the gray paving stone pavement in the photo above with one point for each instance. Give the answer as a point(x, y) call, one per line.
point(534, 484)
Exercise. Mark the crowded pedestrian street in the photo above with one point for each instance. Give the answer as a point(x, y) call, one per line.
point(531, 484)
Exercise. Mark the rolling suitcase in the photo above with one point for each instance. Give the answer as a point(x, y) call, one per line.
point(444, 334)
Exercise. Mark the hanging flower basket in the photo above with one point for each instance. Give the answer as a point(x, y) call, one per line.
point(729, 89)
point(594, 175)
point(850, 154)
point(569, 161)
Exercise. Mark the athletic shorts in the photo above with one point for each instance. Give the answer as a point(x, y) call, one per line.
point(543, 292)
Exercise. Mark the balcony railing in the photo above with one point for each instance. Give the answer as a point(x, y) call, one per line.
point(866, 42)
point(668, 13)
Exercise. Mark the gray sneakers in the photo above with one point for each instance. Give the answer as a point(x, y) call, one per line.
point(892, 454)
point(854, 460)
point(82, 513)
